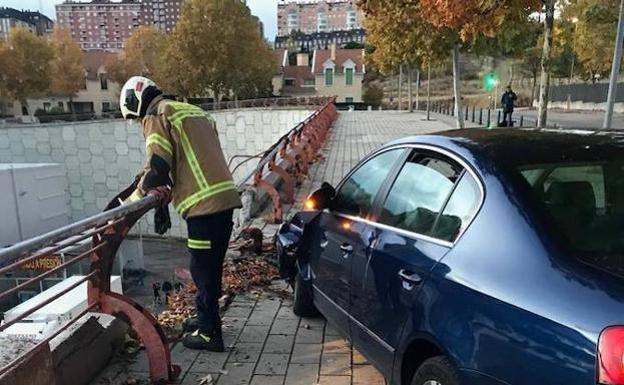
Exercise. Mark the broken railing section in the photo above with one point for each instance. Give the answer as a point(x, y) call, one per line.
point(290, 158)
point(106, 230)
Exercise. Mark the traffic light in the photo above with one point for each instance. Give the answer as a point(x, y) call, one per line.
point(490, 81)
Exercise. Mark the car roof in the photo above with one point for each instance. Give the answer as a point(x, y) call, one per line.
point(525, 146)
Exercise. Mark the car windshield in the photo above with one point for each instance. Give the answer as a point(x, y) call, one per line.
point(586, 202)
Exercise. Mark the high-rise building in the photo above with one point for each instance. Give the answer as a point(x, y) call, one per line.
point(33, 21)
point(311, 16)
point(162, 14)
point(100, 24)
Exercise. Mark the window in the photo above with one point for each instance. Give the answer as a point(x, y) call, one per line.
point(289, 82)
point(419, 193)
point(103, 82)
point(309, 82)
point(46, 107)
point(357, 193)
point(329, 76)
point(349, 76)
point(459, 211)
point(349, 100)
point(105, 106)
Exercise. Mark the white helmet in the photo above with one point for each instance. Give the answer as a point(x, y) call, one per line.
point(132, 96)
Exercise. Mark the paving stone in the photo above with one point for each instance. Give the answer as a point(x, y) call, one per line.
point(336, 344)
point(285, 326)
point(261, 317)
point(279, 343)
point(196, 378)
point(272, 364)
point(330, 330)
point(308, 334)
point(236, 374)
point(254, 334)
point(245, 352)
point(358, 358)
point(367, 375)
point(302, 374)
point(209, 362)
point(336, 364)
point(306, 353)
point(267, 380)
point(270, 305)
point(334, 380)
point(239, 309)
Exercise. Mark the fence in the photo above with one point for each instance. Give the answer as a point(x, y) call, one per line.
point(485, 117)
point(288, 158)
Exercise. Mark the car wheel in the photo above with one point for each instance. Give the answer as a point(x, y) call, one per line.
point(436, 371)
point(304, 305)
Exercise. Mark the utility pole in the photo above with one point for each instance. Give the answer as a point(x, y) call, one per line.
point(400, 99)
point(428, 91)
point(615, 69)
point(418, 88)
point(549, 22)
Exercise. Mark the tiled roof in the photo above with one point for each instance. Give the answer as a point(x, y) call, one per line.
point(93, 60)
point(342, 55)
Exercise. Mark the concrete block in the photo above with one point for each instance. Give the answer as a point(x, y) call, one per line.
point(84, 155)
point(109, 155)
point(336, 364)
point(37, 370)
point(121, 148)
point(302, 374)
point(267, 380)
point(82, 140)
point(306, 353)
point(70, 148)
point(120, 132)
point(29, 141)
point(4, 141)
point(68, 134)
point(246, 352)
point(279, 344)
point(272, 364)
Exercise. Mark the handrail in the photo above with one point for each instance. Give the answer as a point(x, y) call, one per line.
point(266, 102)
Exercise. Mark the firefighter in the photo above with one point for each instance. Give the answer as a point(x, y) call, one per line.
point(184, 153)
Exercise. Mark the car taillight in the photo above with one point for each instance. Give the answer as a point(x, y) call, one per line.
point(611, 356)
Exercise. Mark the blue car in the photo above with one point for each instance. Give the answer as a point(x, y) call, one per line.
point(472, 257)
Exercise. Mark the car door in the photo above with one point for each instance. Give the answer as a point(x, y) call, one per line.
point(408, 238)
point(344, 235)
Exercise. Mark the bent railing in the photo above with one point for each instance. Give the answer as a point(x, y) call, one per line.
point(288, 158)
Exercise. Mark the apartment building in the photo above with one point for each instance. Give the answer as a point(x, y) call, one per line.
point(320, 40)
point(317, 16)
point(33, 21)
point(100, 24)
point(162, 14)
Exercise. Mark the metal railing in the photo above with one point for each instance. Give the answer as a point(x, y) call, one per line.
point(289, 158)
point(485, 117)
point(266, 102)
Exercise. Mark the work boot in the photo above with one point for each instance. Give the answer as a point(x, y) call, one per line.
point(199, 341)
point(190, 324)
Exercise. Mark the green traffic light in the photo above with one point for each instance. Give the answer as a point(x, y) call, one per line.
point(490, 81)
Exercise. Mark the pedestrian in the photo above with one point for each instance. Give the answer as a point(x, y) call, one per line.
point(156, 290)
point(182, 143)
point(167, 287)
point(507, 101)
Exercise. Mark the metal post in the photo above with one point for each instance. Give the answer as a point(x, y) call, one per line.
point(480, 116)
point(400, 99)
point(473, 114)
point(521, 120)
point(428, 90)
point(498, 118)
point(466, 118)
point(615, 69)
point(489, 118)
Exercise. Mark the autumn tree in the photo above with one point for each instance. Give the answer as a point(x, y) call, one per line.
point(471, 18)
point(25, 62)
point(67, 68)
point(217, 46)
point(596, 29)
point(142, 55)
point(401, 36)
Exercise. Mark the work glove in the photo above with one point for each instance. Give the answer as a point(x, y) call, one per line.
point(163, 193)
point(162, 220)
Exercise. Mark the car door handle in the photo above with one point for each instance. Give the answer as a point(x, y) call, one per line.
point(347, 248)
point(409, 279)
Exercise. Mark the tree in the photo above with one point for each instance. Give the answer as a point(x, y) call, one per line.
point(25, 62)
point(142, 55)
point(217, 46)
point(470, 19)
point(596, 29)
point(401, 36)
point(549, 22)
point(66, 67)
point(372, 94)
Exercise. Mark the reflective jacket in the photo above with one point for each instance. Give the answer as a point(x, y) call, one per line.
point(186, 138)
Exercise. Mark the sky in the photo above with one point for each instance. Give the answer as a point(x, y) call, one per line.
point(265, 9)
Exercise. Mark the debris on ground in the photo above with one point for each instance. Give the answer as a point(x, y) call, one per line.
point(238, 277)
point(206, 380)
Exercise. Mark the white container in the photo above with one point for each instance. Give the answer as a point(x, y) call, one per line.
point(34, 200)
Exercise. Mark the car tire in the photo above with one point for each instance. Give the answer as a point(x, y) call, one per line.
point(304, 304)
point(436, 371)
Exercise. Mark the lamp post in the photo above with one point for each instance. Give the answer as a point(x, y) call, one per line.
point(575, 22)
point(615, 69)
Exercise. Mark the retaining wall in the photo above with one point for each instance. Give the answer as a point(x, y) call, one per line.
point(101, 158)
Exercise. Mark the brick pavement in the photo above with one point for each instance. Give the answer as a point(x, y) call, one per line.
point(268, 344)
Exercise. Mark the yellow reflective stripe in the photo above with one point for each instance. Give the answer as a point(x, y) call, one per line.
point(196, 333)
point(199, 244)
point(190, 156)
point(136, 196)
point(203, 194)
point(178, 117)
point(161, 141)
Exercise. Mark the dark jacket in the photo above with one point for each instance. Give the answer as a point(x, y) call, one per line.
point(508, 99)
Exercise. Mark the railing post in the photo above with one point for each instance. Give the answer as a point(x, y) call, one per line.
point(480, 116)
point(498, 118)
point(521, 120)
point(473, 114)
point(488, 118)
point(466, 115)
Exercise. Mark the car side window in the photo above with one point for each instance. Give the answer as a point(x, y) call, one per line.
point(460, 209)
point(357, 193)
point(419, 193)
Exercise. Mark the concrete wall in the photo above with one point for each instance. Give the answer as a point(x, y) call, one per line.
point(102, 157)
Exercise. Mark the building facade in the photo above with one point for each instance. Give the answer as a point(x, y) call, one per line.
point(320, 40)
point(327, 72)
point(33, 21)
point(100, 24)
point(162, 14)
point(317, 16)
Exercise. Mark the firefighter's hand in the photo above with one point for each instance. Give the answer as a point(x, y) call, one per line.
point(163, 193)
point(162, 220)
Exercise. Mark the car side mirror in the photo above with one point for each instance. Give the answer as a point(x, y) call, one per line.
point(320, 199)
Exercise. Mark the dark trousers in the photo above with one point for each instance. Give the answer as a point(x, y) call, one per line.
point(505, 114)
point(208, 240)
